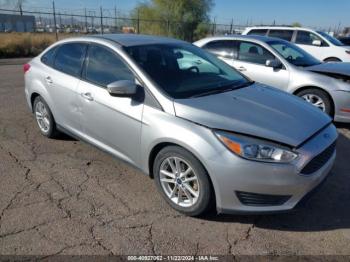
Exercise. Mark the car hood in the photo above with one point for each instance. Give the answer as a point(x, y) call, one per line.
point(331, 68)
point(256, 110)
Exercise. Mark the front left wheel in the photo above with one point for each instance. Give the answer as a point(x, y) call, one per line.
point(317, 98)
point(182, 181)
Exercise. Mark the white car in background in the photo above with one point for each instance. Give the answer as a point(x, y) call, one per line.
point(319, 44)
point(281, 64)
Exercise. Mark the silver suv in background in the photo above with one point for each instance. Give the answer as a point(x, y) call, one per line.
point(204, 132)
point(319, 44)
point(281, 64)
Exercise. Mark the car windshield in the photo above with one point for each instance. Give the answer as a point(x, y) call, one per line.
point(184, 71)
point(293, 54)
point(331, 39)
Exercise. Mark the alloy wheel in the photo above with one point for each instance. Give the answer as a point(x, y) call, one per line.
point(179, 181)
point(315, 100)
point(42, 117)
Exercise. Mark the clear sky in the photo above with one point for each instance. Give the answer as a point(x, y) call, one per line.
point(315, 13)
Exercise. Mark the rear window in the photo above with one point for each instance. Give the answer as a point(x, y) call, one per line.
point(282, 34)
point(49, 56)
point(257, 32)
point(69, 58)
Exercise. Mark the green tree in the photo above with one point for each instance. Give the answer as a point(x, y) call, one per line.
point(296, 24)
point(185, 19)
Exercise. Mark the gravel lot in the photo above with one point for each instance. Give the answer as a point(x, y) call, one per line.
point(66, 197)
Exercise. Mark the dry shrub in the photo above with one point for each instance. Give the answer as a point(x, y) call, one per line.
point(24, 44)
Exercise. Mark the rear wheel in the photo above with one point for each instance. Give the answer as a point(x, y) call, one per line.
point(182, 181)
point(317, 98)
point(44, 118)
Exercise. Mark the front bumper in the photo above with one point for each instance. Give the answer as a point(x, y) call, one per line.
point(234, 174)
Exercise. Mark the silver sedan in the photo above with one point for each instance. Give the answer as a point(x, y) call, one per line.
point(205, 133)
point(281, 64)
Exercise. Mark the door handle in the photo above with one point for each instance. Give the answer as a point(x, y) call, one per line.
point(49, 80)
point(242, 68)
point(87, 96)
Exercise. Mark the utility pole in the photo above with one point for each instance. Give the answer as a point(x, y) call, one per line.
point(20, 9)
point(231, 27)
point(115, 17)
point(138, 21)
point(101, 20)
point(60, 19)
point(214, 26)
point(86, 25)
point(54, 19)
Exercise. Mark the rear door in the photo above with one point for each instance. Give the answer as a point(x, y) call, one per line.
point(62, 82)
point(251, 61)
point(110, 122)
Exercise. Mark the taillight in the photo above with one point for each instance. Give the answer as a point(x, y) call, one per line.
point(26, 67)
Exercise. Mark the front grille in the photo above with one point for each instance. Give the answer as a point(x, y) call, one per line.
point(253, 199)
point(318, 161)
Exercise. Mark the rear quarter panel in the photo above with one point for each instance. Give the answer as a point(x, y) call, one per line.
point(34, 83)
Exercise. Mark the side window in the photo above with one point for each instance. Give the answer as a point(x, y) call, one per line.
point(49, 56)
point(257, 32)
point(253, 53)
point(104, 67)
point(307, 38)
point(69, 58)
point(283, 34)
point(224, 48)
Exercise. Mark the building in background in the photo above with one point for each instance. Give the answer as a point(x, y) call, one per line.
point(17, 23)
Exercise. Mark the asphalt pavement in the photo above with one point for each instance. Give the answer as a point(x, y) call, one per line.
point(62, 196)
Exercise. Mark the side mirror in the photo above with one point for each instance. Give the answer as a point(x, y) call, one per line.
point(275, 63)
point(122, 88)
point(317, 43)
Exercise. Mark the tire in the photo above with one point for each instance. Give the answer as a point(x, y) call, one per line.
point(332, 59)
point(311, 95)
point(204, 200)
point(46, 119)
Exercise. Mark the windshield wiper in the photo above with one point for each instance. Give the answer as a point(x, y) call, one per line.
point(223, 90)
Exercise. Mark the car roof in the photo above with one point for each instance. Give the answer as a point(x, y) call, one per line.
point(279, 27)
point(135, 39)
point(240, 37)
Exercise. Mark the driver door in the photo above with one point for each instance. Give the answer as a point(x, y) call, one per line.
point(110, 122)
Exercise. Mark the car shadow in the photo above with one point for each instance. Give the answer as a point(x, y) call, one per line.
point(65, 137)
point(327, 209)
point(342, 125)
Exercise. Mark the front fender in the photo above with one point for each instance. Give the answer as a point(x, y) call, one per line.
point(160, 127)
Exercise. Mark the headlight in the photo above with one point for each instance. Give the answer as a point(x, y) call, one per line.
point(255, 149)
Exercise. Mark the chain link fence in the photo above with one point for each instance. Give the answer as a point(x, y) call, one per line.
point(102, 21)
